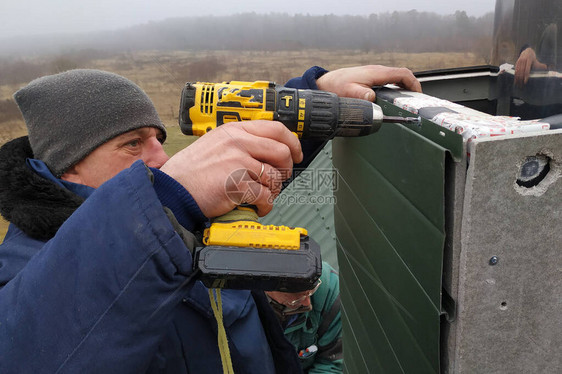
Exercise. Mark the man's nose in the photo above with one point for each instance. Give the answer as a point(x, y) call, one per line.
point(155, 156)
point(306, 301)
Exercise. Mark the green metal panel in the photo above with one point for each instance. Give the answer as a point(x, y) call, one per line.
point(431, 131)
point(390, 220)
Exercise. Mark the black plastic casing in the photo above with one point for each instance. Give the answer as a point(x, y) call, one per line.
point(260, 269)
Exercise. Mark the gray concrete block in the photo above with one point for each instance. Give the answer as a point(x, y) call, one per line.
point(509, 312)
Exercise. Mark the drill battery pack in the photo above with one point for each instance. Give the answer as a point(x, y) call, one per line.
point(266, 269)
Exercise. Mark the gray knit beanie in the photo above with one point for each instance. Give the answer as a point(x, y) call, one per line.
point(70, 114)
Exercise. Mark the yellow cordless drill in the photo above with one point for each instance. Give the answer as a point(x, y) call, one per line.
point(240, 252)
point(308, 113)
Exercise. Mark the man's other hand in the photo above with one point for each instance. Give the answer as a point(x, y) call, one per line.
point(356, 82)
point(526, 62)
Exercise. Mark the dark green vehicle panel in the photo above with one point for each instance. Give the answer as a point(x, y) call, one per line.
point(390, 219)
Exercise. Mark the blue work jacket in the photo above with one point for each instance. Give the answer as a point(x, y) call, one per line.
point(113, 290)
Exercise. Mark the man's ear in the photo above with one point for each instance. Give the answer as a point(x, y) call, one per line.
point(72, 175)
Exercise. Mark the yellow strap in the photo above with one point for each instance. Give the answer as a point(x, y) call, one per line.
point(216, 305)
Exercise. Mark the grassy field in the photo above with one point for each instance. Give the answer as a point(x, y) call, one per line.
point(163, 74)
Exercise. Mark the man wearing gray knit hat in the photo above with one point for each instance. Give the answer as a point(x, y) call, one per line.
point(68, 115)
point(96, 269)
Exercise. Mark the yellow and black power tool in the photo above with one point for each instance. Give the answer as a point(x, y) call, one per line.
point(240, 252)
point(310, 114)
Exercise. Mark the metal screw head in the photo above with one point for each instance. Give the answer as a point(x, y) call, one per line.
point(493, 260)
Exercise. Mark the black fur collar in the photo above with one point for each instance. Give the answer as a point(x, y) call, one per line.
point(35, 205)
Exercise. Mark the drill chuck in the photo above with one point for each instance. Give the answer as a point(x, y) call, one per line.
point(358, 118)
point(323, 115)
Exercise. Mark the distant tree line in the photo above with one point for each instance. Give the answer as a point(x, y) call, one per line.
point(410, 31)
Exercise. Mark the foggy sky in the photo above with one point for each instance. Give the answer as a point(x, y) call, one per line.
point(30, 17)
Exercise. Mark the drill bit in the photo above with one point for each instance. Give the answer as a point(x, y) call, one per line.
point(397, 119)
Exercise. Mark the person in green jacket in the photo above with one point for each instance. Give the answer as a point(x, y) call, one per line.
point(312, 323)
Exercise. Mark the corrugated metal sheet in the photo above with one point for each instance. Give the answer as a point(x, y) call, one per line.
point(308, 202)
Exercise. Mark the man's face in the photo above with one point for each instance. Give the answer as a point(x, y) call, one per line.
point(291, 303)
point(117, 154)
point(293, 300)
point(298, 302)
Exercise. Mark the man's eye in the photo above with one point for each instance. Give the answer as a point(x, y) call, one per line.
point(133, 143)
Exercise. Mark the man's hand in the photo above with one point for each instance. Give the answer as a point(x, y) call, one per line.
point(526, 62)
point(356, 82)
point(206, 168)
